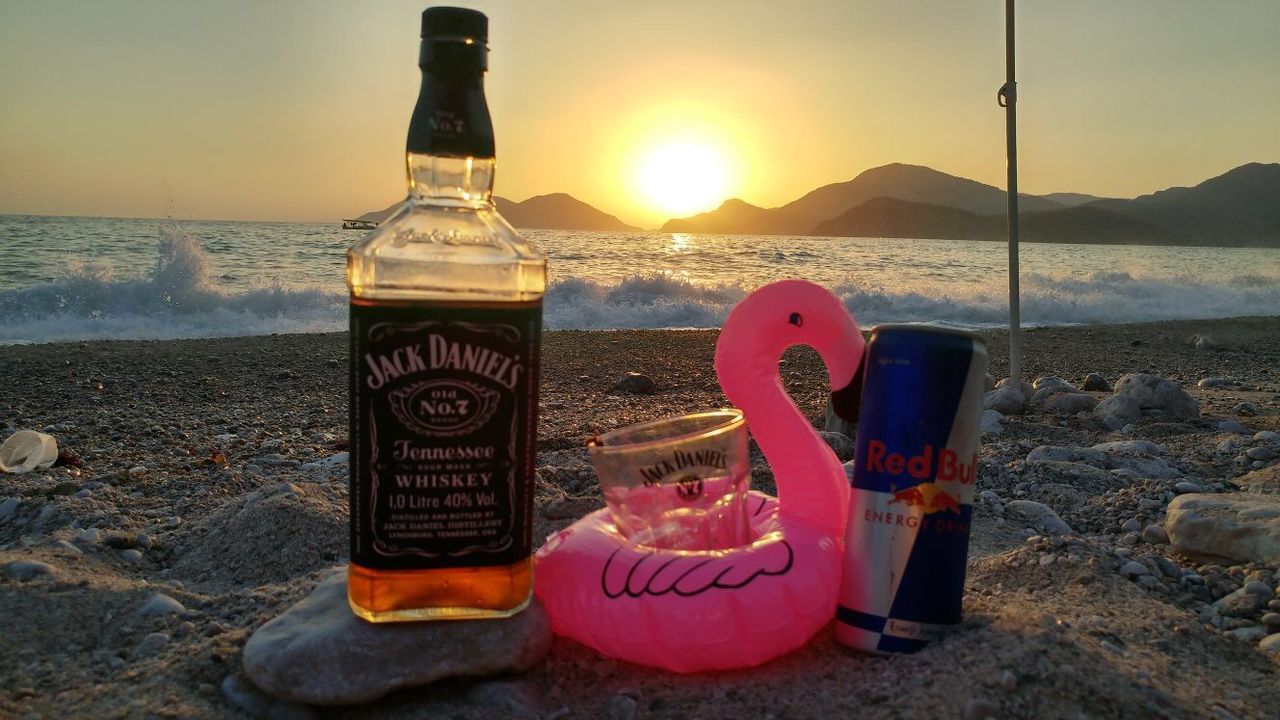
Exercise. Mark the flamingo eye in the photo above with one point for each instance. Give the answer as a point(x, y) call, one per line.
point(796, 319)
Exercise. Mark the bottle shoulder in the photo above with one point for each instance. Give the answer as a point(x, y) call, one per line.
point(463, 252)
point(459, 233)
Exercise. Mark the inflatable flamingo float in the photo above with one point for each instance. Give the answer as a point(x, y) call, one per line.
point(695, 610)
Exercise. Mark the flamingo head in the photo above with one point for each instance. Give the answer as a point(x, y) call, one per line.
point(776, 317)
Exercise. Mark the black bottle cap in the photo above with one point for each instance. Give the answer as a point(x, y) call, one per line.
point(454, 22)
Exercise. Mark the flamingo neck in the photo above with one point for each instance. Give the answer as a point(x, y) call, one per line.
point(811, 483)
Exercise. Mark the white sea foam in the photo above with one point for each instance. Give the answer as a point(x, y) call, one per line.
point(178, 298)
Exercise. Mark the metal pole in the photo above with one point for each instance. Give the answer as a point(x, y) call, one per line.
point(1008, 98)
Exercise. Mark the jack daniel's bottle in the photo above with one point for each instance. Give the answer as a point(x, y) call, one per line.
point(446, 316)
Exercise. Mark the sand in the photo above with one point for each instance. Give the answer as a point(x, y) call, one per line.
point(190, 458)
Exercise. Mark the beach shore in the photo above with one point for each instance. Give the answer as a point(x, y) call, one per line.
point(194, 474)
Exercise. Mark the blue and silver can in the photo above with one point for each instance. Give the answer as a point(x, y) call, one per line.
point(907, 540)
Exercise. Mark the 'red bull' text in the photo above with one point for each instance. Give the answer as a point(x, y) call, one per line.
point(949, 466)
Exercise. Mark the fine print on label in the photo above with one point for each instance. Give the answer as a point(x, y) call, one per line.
point(442, 407)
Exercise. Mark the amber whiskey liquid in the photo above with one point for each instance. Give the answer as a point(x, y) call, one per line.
point(446, 312)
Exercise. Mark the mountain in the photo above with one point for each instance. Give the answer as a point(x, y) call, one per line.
point(1070, 199)
point(914, 183)
point(377, 216)
point(1239, 207)
point(890, 217)
point(557, 211)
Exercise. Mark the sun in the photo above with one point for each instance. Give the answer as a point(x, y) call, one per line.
point(682, 177)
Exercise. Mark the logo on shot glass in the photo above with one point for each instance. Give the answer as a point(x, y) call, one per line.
point(685, 471)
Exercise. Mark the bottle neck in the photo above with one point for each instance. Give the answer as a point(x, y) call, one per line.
point(450, 181)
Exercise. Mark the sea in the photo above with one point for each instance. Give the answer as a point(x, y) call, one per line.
point(78, 278)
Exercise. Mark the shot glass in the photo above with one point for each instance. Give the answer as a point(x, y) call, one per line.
point(678, 483)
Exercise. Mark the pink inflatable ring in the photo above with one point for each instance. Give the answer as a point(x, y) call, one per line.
point(690, 611)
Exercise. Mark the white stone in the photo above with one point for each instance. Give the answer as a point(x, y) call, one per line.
point(1156, 393)
point(1040, 515)
point(1243, 526)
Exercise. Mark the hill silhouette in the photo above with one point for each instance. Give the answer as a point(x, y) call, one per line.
point(1238, 208)
point(890, 217)
point(557, 211)
point(914, 183)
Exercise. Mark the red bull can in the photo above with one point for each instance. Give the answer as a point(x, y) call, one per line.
point(914, 468)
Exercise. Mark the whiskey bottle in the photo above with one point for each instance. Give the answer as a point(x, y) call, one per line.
point(446, 319)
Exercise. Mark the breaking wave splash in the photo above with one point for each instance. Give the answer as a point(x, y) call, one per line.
point(178, 298)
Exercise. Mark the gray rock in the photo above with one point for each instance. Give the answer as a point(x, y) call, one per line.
point(1233, 426)
point(276, 460)
point(89, 535)
point(1270, 644)
point(1240, 526)
point(981, 709)
point(1271, 620)
point(150, 644)
point(1260, 453)
point(161, 604)
point(1093, 382)
point(9, 508)
point(319, 653)
point(1064, 453)
point(1040, 515)
point(635, 383)
point(24, 570)
point(990, 383)
point(1070, 403)
point(1048, 391)
point(1130, 447)
point(991, 497)
point(840, 444)
point(513, 698)
point(1131, 525)
point(1005, 400)
point(1008, 680)
point(1215, 382)
point(1155, 534)
point(254, 703)
point(1041, 383)
point(991, 422)
point(1134, 569)
point(1024, 386)
point(1202, 342)
point(1186, 486)
point(1112, 423)
point(1268, 436)
point(1238, 604)
point(1168, 568)
point(1245, 409)
point(1121, 406)
point(622, 707)
point(131, 555)
point(1155, 393)
point(1261, 589)
point(1250, 634)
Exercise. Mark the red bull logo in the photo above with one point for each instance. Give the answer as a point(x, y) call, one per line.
point(927, 496)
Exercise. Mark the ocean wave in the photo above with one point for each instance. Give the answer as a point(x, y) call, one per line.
point(180, 298)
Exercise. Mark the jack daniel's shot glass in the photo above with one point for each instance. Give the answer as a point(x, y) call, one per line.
point(678, 483)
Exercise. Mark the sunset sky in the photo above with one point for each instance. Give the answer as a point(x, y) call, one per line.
point(297, 110)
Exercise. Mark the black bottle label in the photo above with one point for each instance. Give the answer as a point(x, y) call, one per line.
point(444, 402)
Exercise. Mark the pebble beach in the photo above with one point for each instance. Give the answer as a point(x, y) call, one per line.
point(1124, 560)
